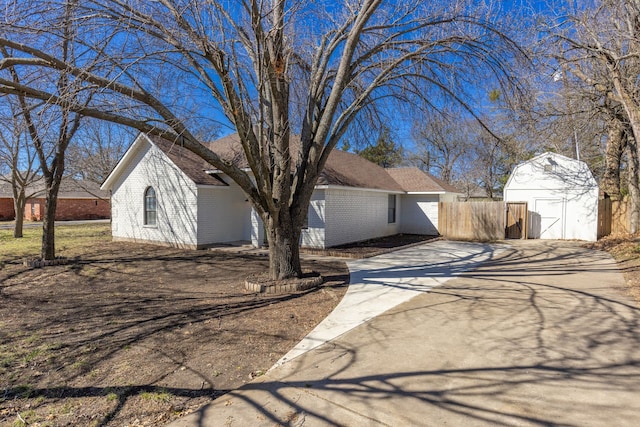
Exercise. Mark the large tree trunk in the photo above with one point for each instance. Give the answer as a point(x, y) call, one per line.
point(19, 203)
point(284, 249)
point(615, 148)
point(48, 250)
point(634, 184)
point(633, 115)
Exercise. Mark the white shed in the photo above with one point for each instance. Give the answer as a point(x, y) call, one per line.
point(562, 197)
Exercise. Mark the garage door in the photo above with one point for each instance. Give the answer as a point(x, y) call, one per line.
point(551, 213)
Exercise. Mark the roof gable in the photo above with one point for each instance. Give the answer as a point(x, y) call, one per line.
point(189, 163)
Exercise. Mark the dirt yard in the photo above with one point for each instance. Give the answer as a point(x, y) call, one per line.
point(626, 250)
point(139, 335)
point(132, 335)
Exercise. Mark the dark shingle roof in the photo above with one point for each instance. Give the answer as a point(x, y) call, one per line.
point(414, 180)
point(189, 163)
point(351, 170)
point(342, 168)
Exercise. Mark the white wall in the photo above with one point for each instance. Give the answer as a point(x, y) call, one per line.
point(176, 200)
point(354, 215)
point(223, 214)
point(562, 197)
point(419, 214)
point(314, 235)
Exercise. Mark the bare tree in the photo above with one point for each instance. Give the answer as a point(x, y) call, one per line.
point(599, 44)
point(272, 68)
point(442, 144)
point(96, 149)
point(19, 157)
point(51, 125)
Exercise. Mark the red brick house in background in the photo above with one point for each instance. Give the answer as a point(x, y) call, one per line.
point(6, 202)
point(76, 200)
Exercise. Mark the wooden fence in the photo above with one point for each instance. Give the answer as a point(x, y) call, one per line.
point(613, 217)
point(484, 221)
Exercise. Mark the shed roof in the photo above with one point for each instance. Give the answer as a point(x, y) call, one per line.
point(551, 171)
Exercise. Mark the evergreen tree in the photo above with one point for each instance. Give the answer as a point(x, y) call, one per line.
point(385, 152)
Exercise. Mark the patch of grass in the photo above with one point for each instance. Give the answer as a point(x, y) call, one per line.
point(32, 339)
point(22, 354)
point(26, 418)
point(112, 397)
point(7, 359)
point(67, 408)
point(31, 355)
point(69, 238)
point(23, 391)
point(159, 395)
point(81, 365)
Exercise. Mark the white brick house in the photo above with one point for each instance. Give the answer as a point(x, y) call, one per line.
point(162, 193)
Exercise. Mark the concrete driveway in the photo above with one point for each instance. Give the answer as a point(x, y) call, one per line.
point(541, 334)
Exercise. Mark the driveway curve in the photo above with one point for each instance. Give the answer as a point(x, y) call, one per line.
point(540, 334)
point(380, 283)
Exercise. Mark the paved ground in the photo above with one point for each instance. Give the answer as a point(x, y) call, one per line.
point(380, 283)
point(541, 335)
point(8, 225)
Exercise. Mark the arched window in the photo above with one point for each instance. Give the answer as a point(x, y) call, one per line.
point(150, 206)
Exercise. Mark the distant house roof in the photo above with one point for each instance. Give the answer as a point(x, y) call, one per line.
point(69, 189)
point(79, 189)
point(5, 189)
point(414, 180)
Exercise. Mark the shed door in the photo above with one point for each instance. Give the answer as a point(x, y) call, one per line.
point(551, 213)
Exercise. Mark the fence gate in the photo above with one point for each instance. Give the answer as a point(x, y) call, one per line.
point(516, 220)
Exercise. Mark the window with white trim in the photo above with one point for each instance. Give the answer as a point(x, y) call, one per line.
point(150, 207)
point(392, 209)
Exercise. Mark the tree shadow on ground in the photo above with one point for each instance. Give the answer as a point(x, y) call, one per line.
point(541, 335)
point(126, 320)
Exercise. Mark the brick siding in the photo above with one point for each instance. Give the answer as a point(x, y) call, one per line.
point(69, 209)
point(73, 209)
point(6, 209)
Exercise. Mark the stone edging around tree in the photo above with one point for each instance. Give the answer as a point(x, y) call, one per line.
point(39, 262)
point(253, 284)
